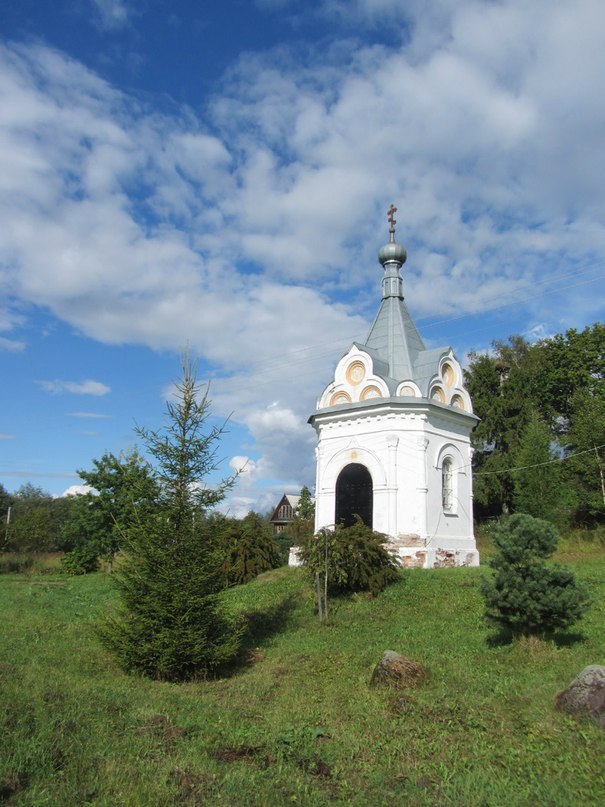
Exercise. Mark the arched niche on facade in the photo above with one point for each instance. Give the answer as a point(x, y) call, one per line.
point(354, 495)
point(450, 465)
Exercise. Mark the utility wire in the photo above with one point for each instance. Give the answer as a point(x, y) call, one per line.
point(537, 464)
point(290, 359)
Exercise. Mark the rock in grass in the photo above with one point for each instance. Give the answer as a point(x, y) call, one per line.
point(397, 671)
point(585, 695)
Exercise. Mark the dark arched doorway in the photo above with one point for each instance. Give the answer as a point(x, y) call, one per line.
point(354, 495)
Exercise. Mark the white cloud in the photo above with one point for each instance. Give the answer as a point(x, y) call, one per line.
point(285, 439)
point(7, 436)
point(12, 345)
point(243, 466)
point(252, 492)
point(77, 490)
point(537, 333)
point(88, 387)
point(112, 13)
point(252, 233)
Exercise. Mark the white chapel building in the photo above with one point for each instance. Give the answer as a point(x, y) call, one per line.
point(393, 431)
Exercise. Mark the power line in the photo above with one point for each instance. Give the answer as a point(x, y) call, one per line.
point(550, 281)
point(537, 464)
point(291, 358)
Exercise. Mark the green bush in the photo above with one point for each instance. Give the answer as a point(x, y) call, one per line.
point(284, 540)
point(82, 560)
point(525, 596)
point(250, 548)
point(356, 558)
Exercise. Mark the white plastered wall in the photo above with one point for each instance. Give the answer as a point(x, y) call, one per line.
point(403, 450)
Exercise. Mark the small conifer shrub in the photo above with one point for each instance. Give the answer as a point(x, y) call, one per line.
point(250, 548)
point(525, 595)
point(356, 558)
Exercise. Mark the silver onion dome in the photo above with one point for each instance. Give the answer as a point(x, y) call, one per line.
point(392, 252)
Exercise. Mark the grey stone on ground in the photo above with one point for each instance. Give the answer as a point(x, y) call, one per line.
point(585, 695)
point(397, 671)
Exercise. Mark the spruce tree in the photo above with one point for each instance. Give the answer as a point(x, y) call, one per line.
point(171, 625)
point(537, 482)
point(525, 596)
point(305, 509)
point(586, 465)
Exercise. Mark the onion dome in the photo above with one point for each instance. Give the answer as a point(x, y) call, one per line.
point(392, 251)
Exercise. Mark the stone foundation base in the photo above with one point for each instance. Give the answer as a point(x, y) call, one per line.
point(415, 557)
point(412, 557)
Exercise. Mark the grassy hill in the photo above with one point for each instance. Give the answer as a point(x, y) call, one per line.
point(296, 722)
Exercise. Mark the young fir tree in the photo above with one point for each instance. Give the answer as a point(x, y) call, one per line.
point(171, 625)
point(586, 465)
point(305, 509)
point(525, 596)
point(537, 482)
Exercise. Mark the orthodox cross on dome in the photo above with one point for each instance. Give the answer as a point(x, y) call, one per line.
point(392, 210)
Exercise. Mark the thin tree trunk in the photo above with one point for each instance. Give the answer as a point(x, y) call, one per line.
point(319, 608)
point(326, 583)
point(600, 467)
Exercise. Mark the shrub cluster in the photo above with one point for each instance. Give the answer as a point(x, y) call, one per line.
point(356, 558)
point(250, 548)
point(82, 560)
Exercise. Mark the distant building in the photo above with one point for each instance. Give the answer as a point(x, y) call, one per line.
point(393, 431)
point(283, 515)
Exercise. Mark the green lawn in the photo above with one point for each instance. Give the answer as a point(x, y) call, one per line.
point(296, 723)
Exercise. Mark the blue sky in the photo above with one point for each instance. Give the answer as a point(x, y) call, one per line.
point(218, 174)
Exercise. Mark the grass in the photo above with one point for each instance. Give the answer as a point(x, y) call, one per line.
point(296, 722)
point(30, 563)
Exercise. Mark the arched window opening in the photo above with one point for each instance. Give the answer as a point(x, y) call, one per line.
point(354, 495)
point(447, 485)
point(285, 511)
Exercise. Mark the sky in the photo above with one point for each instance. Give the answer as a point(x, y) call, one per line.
point(218, 175)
